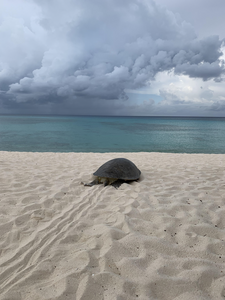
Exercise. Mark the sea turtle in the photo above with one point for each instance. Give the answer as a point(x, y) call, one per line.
point(115, 172)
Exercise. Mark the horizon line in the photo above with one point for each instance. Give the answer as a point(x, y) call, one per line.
point(123, 116)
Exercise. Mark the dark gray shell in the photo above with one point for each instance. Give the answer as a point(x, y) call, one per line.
point(120, 168)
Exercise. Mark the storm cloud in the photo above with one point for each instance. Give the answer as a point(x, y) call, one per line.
point(92, 51)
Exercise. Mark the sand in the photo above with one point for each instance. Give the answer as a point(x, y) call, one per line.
point(160, 238)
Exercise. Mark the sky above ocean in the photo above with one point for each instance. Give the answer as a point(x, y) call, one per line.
point(112, 57)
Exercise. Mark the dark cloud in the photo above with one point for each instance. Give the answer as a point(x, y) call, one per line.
point(217, 106)
point(207, 16)
point(84, 52)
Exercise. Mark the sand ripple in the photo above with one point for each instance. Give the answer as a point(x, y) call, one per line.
point(160, 238)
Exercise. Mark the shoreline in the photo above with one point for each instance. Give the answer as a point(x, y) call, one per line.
point(159, 238)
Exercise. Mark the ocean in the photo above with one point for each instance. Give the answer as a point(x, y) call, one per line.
point(112, 134)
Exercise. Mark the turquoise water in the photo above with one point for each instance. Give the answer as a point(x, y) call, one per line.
point(112, 134)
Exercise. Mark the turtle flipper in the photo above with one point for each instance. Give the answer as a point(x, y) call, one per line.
point(106, 182)
point(117, 183)
point(94, 182)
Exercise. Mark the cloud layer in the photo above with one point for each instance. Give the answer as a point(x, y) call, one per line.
point(76, 51)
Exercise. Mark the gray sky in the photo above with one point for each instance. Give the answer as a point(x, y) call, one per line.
point(206, 16)
point(112, 57)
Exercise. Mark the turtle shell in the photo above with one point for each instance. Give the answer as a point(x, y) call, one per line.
point(119, 168)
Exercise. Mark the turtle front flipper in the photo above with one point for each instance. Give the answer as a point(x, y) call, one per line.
point(117, 183)
point(106, 182)
point(94, 182)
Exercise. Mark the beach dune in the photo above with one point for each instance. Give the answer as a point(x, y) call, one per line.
point(162, 237)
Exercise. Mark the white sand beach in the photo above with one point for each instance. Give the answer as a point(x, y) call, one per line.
point(162, 237)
